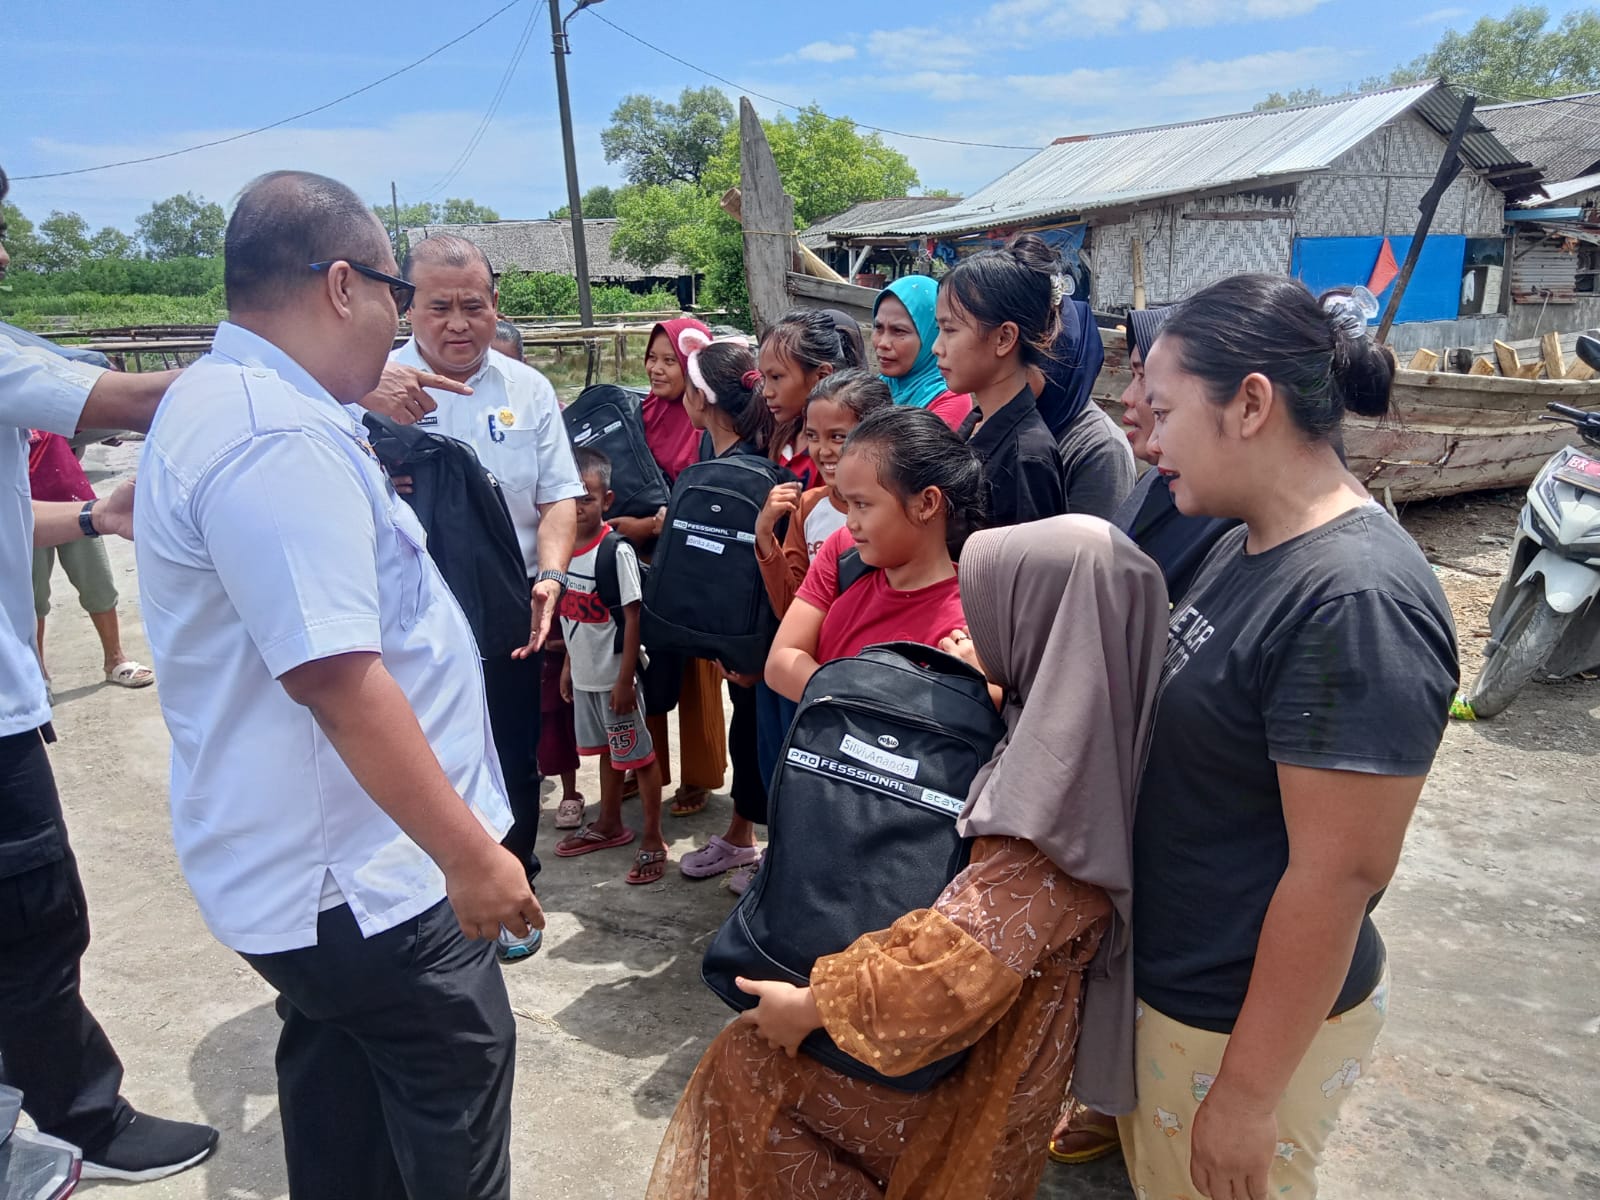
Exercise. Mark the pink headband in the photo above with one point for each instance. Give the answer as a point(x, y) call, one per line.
point(696, 376)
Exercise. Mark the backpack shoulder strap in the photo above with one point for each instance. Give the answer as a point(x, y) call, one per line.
point(852, 570)
point(607, 582)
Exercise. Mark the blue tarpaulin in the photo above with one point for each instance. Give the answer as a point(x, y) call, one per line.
point(1434, 293)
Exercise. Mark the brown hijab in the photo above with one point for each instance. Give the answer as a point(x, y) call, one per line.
point(1070, 618)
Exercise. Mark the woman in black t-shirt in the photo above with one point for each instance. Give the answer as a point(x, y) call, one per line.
point(1309, 669)
point(998, 316)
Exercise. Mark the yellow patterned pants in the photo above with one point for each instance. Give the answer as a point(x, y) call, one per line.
point(1176, 1064)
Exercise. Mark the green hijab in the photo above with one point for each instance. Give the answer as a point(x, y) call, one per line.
point(923, 384)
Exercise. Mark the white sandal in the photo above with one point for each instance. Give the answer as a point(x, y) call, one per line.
point(130, 674)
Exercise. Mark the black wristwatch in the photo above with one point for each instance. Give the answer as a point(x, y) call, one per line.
point(86, 520)
point(559, 576)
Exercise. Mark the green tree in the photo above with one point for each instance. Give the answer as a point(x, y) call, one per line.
point(661, 143)
point(111, 242)
point(598, 201)
point(1515, 57)
point(1520, 55)
point(20, 240)
point(452, 212)
point(63, 241)
point(664, 221)
point(185, 226)
point(824, 163)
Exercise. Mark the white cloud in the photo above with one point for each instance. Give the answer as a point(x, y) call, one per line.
point(825, 52)
point(1253, 74)
point(1439, 16)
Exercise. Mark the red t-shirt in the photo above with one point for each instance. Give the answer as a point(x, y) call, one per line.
point(805, 470)
point(951, 408)
point(871, 611)
point(54, 472)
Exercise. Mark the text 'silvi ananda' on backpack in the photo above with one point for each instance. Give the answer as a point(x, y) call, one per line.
point(862, 824)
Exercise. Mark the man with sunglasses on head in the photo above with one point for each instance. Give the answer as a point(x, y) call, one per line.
point(512, 420)
point(336, 801)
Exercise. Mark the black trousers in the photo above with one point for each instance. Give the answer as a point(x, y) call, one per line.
point(512, 688)
point(395, 1062)
point(51, 1047)
point(749, 789)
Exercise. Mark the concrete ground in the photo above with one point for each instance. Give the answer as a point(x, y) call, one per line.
point(1485, 1085)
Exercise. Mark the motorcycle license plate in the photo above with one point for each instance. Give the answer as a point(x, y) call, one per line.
point(1580, 471)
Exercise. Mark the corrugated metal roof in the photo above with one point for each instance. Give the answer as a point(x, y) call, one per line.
point(872, 212)
point(1113, 170)
point(1560, 136)
point(1552, 192)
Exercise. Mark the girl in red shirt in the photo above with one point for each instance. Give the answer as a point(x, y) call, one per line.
point(913, 490)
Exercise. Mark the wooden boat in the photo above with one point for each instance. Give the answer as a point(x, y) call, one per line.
point(1449, 433)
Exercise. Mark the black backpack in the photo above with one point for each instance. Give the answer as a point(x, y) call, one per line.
point(704, 596)
point(470, 535)
point(609, 419)
point(862, 820)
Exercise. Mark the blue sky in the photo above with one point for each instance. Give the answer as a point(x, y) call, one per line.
point(92, 82)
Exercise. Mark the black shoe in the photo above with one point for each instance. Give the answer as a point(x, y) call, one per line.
point(149, 1148)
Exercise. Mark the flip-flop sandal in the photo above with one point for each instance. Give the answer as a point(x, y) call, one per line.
point(690, 801)
point(569, 813)
point(130, 674)
point(648, 866)
point(587, 841)
point(1085, 1140)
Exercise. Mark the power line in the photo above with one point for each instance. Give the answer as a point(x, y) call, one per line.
point(494, 107)
point(921, 137)
point(128, 162)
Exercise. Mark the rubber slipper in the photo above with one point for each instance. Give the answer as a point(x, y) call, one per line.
point(1084, 1140)
point(715, 857)
point(130, 674)
point(587, 841)
point(690, 801)
point(569, 813)
point(648, 866)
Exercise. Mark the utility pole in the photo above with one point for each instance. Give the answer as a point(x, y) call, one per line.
point(394, 203)
point(580, 251)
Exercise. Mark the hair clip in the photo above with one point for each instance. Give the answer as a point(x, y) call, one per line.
point(750, 378)
point(1061, 286)
point(1350, 314)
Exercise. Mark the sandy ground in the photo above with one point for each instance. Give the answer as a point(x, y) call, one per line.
point(1485, 1084)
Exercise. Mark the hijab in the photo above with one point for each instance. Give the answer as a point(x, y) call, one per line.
point(1070, 617)
point(923, 384)
point(1075, 360)
point(1143, 326)
point(673, 440)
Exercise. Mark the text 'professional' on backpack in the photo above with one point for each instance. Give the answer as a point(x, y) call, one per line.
point(608, 418)
point(470, 535)
point(862, 823)
point(704, 596)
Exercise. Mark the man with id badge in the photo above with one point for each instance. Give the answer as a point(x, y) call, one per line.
point(336, 802)
point(512, 421)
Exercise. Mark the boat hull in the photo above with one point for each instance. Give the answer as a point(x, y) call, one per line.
point(1449, 433)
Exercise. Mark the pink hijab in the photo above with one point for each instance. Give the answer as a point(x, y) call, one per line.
point(671, 436)
point(1070, 617)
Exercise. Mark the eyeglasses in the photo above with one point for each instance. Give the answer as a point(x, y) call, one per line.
point(402, 291)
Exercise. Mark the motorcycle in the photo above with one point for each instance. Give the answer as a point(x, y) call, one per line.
point(1544, 617)
point(33, 1166)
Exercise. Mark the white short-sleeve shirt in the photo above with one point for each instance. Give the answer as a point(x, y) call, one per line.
point(513, 422)
point(267, 536)
point(38, 390)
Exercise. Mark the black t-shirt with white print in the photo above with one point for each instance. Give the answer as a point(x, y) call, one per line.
point(1334, 650)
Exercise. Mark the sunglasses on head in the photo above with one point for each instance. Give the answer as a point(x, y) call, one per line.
point(402, 291)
